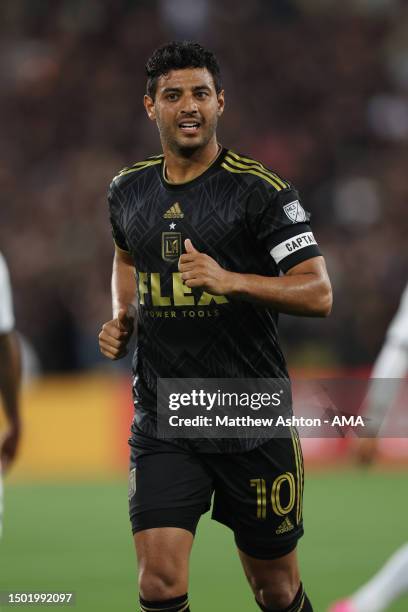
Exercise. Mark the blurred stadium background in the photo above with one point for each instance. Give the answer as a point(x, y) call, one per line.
point(318, 90)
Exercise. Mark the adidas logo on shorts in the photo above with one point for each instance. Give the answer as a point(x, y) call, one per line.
point(284, 527)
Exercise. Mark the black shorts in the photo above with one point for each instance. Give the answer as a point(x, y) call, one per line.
point(258, 493)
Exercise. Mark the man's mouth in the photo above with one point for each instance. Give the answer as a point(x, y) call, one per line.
point(189, 127)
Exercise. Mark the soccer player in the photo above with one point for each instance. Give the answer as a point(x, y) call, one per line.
point(9, 376)
point(220, 245)
point(391, 364)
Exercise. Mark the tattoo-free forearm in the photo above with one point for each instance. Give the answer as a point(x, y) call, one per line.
point(306, 294)
point(123, 285)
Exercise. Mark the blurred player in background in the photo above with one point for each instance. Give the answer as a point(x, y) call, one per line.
point(208, 232)
point(391, 366)
point(9, 376)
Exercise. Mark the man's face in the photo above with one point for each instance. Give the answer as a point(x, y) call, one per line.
point(186, 108)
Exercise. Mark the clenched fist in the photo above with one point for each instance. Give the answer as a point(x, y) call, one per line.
point(115, 335)
point(200, 270)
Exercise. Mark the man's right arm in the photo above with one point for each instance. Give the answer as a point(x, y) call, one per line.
point(116, 333)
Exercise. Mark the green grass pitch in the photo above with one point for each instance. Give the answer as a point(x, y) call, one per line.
point(75, 537)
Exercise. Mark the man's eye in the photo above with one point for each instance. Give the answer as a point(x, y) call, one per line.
point(172, 96)
point(202, 94)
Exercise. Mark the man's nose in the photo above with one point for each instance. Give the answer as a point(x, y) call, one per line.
point(189, 105)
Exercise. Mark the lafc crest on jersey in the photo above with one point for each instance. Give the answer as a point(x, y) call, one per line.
point(171, 246)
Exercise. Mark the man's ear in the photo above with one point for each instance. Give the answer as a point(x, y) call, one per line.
point(221, 103)
point(149, 106)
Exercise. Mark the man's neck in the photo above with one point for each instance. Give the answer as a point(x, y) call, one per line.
point(181, 169)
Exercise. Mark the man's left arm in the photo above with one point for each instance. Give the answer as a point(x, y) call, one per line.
point(304, 290)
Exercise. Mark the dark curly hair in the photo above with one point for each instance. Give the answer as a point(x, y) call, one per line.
point(176, 56)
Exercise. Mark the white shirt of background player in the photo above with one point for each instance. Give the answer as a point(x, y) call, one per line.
point(6, 326)
point(391, 365)
point(6, 303)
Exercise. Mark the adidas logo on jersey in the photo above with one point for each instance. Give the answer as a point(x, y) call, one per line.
point(284, 527)
point(174, 212)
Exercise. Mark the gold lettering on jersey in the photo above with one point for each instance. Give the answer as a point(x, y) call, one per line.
point(162, 314)
point(183, 314)
point(200, 314)
point(157, 298)
point(207, 298)
point(181, 294)
point(171, 245)
point(143, 288)
point(181, 291)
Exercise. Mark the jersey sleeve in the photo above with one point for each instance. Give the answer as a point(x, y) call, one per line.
point(115, 214)
point(6, 304)
point(281, 225)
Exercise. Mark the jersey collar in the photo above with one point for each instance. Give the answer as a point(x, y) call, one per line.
point(212, 168)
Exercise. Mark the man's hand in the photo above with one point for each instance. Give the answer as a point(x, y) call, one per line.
point(200, 270)
point(115, 335)
point(8, 446)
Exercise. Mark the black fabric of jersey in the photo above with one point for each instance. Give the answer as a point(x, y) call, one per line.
point(250, 221)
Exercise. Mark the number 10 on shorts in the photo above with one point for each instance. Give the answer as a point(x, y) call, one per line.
point(275, 495)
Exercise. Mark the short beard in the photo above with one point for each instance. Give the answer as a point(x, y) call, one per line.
point(187, 151)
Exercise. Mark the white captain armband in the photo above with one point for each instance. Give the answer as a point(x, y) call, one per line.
point(294, 249)
point(291, 245)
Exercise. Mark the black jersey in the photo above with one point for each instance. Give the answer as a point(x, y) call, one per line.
point(249, 220)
